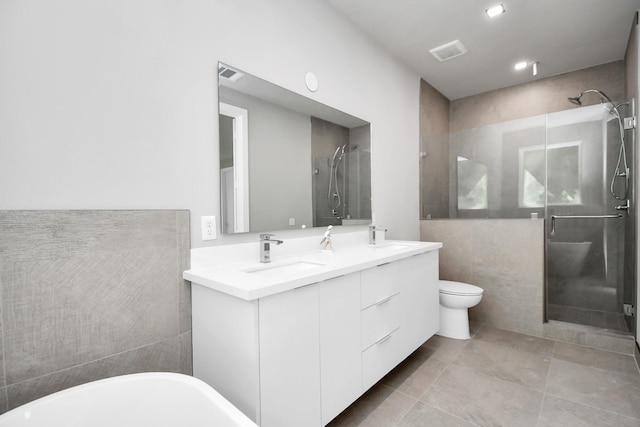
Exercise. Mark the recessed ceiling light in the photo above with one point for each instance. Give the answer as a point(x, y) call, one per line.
point(521, 65)
point(495, 11)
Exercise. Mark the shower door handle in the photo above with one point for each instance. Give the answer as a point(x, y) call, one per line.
point(554, 217)
point(585, 216)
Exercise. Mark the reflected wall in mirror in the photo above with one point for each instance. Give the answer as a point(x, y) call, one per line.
point(557, 177)
point(287, 161)
point(472, 184)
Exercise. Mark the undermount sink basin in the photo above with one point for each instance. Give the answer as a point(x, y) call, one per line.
point(279, 269)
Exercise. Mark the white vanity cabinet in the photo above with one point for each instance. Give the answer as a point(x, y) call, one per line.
point(381, 308)
point(290, 358)
point(419, 276)
point(340, 348)
point(300, 355)
point(262, 355)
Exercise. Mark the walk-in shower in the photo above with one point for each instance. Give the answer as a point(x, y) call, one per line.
point(589, 280)
point(574, 168)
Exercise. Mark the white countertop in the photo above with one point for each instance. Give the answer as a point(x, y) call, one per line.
point(250, 280)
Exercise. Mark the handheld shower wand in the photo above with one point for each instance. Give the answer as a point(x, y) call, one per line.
point(622, 154)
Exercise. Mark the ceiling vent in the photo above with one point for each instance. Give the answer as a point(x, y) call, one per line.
point(448, 51)
point(229, 73)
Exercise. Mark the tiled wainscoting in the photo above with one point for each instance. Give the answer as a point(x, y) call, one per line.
point(504, 257)
point(87, 295)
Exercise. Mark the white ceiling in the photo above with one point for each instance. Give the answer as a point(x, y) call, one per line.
point(561, 35)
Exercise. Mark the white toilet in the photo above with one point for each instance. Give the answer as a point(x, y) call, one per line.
point(455, 300)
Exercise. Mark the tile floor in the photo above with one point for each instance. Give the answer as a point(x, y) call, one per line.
point(583, 316)
point(502, 378)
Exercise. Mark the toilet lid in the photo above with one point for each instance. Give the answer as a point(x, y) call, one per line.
point(458, 288)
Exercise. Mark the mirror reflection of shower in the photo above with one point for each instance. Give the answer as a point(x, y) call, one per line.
point(621, 169)
point(341, 161)
point(333, 195)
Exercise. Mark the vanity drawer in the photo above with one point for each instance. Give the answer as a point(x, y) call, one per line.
point(379, 320)
point(380, 358)
point(378, 283)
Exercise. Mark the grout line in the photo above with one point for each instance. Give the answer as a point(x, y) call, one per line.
point(592, 407)
point(80, 365)
point(546, 381)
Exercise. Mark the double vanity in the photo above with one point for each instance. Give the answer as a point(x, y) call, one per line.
point(295, 341)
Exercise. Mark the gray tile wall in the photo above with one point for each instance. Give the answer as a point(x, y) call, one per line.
point(87, 295)
point(542, 96)
point(505, 257)
point(434, 152)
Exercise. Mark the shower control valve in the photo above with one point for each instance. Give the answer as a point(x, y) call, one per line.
point(623, 207)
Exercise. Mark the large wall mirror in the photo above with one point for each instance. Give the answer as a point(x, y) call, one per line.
point(287, 161)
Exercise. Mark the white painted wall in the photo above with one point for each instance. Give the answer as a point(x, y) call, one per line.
point(279, 162)
point(112, 104)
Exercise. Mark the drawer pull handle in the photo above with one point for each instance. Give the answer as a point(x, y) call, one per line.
point(383, 339)
point(386, 263)
point(384, 301)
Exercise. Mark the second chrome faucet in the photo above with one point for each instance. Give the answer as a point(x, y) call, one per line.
point(265, 246)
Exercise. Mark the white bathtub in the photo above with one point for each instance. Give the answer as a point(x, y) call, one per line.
point(149, 399)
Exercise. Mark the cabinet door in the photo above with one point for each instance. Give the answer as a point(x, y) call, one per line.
point(340, 348)
point(290, 358)
point(419, 292)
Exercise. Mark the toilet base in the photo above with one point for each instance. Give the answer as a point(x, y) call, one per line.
point(454, 323)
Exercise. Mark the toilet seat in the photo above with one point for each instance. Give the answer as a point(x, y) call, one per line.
point(458, 288)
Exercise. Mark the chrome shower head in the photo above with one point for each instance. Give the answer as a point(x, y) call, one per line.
point(603, 96)
point(575, 99)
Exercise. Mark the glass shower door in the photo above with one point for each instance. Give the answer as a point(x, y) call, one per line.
point(585, 234)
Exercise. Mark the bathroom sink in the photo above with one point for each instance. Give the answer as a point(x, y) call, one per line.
point(286, 268)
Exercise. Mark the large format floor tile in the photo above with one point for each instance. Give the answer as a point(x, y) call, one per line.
point(515, 341)
point(416, 373)
point(380, 406)
point(595, 387)
point(596, 358)
point(483, 400)
point(557, 412)
point(422, 415)
point(502, 378)
point(515, 366)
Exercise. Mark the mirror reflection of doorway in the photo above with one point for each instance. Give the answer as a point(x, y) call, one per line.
point(234, 168)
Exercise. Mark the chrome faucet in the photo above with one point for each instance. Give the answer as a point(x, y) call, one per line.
point(265, 247)
point(373, 238)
